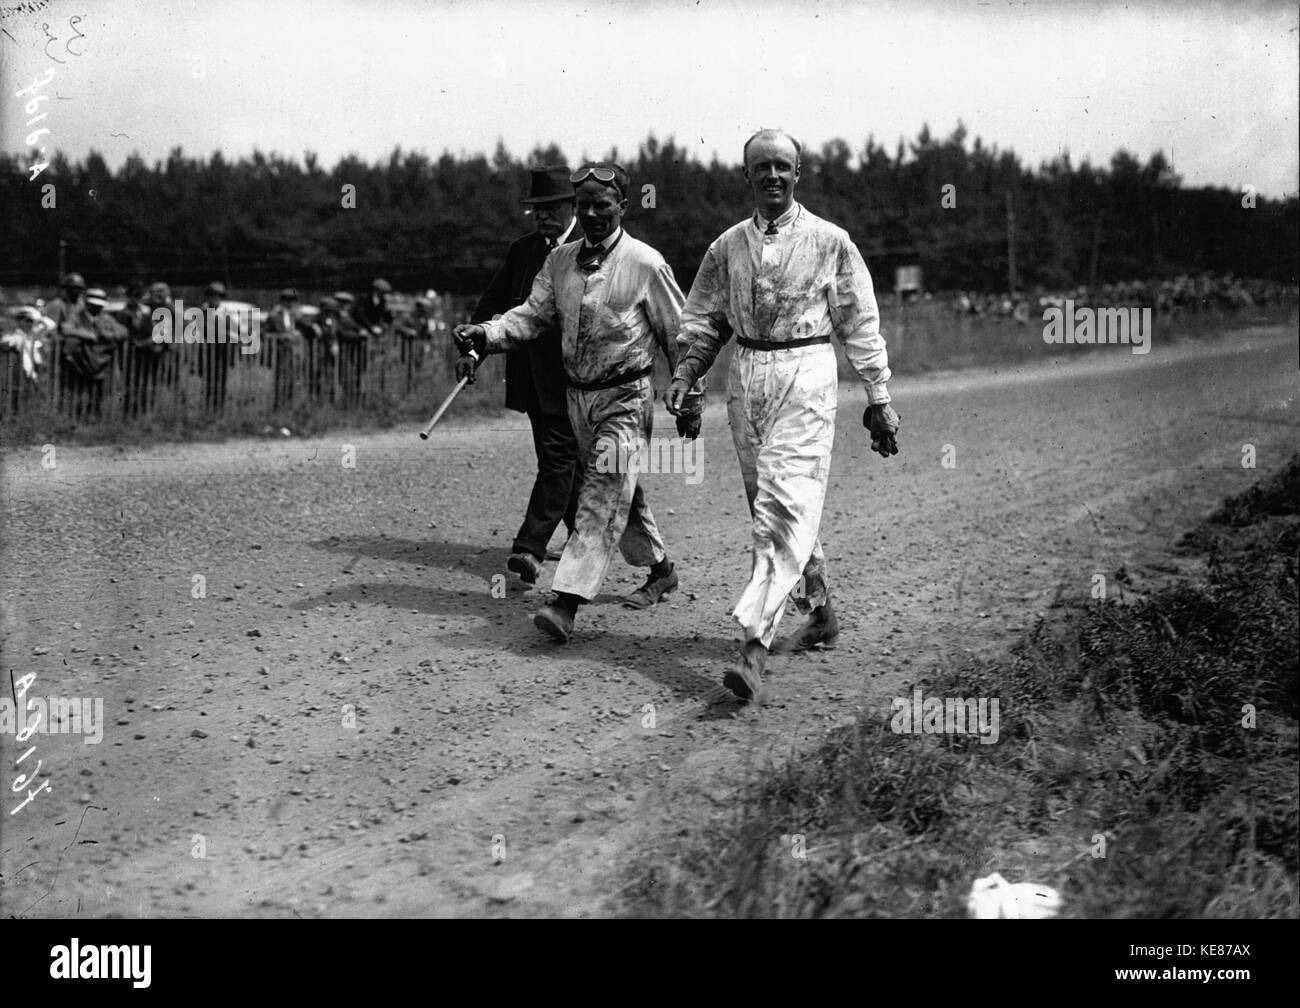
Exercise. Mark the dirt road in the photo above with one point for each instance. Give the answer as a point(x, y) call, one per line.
point(314, 704)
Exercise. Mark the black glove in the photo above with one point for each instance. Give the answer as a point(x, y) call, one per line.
point(882, 421)
point(470, 337)
point(466, 368)
point(688, 426)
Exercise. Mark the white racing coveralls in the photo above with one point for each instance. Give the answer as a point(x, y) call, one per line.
point(610, 320)
point(803, 283)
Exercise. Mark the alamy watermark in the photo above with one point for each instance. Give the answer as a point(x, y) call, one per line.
point(653, 455)
point(178, 324)
point(1127, 326)
point(55, 716)
point(930, 715)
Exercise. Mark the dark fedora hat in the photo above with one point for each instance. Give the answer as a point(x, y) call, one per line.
point(548, 184)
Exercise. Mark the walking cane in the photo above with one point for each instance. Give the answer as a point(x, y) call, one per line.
point(424, 434)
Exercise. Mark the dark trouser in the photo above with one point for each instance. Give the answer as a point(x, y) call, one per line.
point(555, 491)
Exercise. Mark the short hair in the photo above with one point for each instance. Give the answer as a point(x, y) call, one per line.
point(798, 148)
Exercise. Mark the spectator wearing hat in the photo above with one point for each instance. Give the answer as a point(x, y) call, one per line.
point(289, 336)
point(150, 355)
point(285, 318)
point(90, 359)
point(373, 313)
point(214, 357)
point(326, 349)
point(352, 349)
point(71, 306)
point(415, 332)
point(348, 328)
point(139, 352)
point(535, 382)
point(29, 342)
point(106, 327)
point(72, 327)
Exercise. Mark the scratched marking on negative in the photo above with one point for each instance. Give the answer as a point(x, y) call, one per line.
point(31, 7)
point(32, 108)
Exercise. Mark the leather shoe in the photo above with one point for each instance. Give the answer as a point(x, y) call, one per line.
point(813, 635)
point(652, 591)
point(555, 621)
point(527, 566)
point(745, 678)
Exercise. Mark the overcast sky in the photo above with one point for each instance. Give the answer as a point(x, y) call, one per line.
point(1215, 87)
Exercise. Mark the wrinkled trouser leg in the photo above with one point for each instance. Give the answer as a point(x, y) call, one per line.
point(553, 491)
point(612, 511)
point(781, 405)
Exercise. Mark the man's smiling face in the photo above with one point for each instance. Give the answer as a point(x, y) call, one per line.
point(600, 210)
point(771, 169)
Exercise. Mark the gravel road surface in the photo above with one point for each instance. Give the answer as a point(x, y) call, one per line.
point(323, 694)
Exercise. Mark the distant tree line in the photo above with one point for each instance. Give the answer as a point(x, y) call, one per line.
point(266, 221)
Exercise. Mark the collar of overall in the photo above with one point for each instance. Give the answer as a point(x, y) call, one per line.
point(590, 257)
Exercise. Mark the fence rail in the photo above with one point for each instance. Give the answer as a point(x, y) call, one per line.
point(217, 384)
point(301, 385)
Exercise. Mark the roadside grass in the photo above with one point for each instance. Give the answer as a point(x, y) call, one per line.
point(1124, 773)
point(303, 421)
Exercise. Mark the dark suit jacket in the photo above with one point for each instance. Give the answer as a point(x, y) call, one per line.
point(368, 314)
point(535, 371)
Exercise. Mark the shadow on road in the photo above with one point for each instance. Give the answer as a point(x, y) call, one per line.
point(668, 661)
point(476, 558)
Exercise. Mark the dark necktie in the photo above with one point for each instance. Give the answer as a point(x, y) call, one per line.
point(589, 257)
point(771, 228)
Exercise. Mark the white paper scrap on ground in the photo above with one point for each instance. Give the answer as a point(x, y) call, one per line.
point(993, 897)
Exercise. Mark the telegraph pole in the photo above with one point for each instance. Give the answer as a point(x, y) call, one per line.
point(1011, 244)
point(1096, 251)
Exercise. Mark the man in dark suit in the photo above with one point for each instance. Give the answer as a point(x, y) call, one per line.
point(286, 328)
point(214, 357)
point(137, 349)
point(535, 382)
point(373, 314)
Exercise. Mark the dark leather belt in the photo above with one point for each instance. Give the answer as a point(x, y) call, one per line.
point(626, 378)
point(763, 344)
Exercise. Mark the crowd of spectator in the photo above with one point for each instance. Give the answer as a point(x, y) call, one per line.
point(1182, 294)
point(321, 349)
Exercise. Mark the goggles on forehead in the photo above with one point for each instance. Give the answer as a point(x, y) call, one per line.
point(600, 174)
point(605, 176)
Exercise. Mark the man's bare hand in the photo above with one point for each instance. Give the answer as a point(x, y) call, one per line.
point(675, 396)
